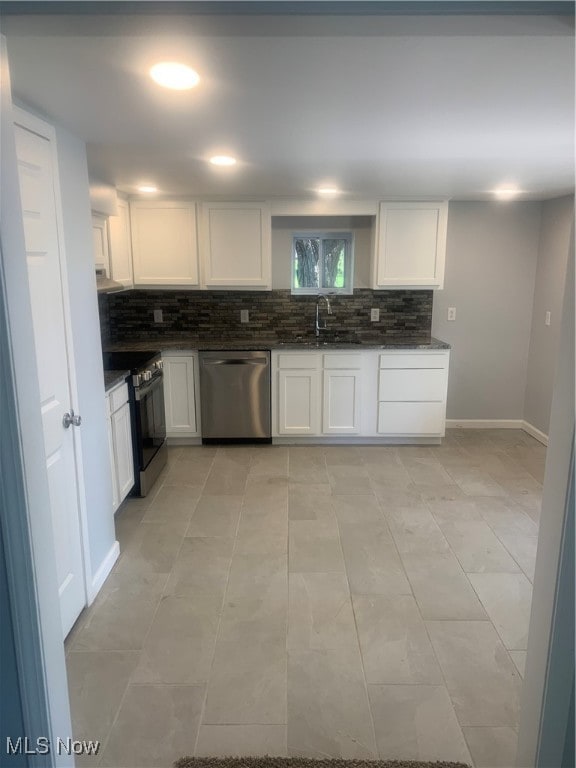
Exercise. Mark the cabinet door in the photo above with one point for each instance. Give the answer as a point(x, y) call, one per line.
point(180, 388)
point(411, 245)
point(164, 243)
point(298, 403)
point(341, 407)
point(112, 457)
point(100, 243)
point(121, 246)
point(124, 458)
point(236, 245)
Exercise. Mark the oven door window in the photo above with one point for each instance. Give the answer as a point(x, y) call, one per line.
point(152, 423)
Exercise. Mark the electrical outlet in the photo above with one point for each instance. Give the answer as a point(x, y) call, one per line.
point(244, 316)
point(158, 316)
point(374, 314)
point(548, 318)
point(451, 313)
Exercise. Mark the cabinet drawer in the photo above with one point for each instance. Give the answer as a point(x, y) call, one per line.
point(399, 384)
point(348, 361)
point(411, 418)
point(118, 397)
point(421, 360)
point(311, 361)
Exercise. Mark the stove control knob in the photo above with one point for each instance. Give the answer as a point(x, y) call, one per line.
point(147, 375)
point(137, 379)
point(159, 364)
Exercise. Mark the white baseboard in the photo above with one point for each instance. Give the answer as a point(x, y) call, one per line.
point(536, 433)
point(485, 424)
point(498, 424)
point(324, 440)
point(102, 573)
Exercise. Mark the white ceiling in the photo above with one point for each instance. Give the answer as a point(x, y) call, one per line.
point(382, 106)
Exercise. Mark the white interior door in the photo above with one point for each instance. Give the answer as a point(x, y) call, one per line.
point(36, 173)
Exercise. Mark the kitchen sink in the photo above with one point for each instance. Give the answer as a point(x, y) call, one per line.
point(307, 342)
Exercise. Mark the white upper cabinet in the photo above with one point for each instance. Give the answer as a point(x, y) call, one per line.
point(164, 243)
point(235, 245)
point(410, 245)
point(100, 243)
point(120, 245)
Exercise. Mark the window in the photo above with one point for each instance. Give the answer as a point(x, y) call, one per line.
point(322, 262)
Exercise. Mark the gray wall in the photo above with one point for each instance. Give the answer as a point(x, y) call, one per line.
point(86, 340)
point(545, 703)
point(492, 251)
point(555, 233)
point(283, 228)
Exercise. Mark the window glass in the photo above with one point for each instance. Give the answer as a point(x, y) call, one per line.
point(306, 262)
point(322, 263)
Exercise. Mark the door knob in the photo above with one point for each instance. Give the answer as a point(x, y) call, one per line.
point(71, 419)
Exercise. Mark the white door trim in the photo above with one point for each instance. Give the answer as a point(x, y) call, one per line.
point(46, 131)
point(27, 523)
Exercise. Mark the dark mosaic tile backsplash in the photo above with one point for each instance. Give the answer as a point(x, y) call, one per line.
point(104, 312)
point(210, 315)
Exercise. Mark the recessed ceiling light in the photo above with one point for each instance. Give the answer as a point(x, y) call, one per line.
point(328, 191)
point(506, 193)
point(171, 74)
point(149, 188)
point(224, 160)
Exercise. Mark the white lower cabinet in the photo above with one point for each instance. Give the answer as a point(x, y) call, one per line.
point(426, 419)
point(181, 395)
point(372, 394)
point(120, 443)
point(296, 393)
point(412, 393)
point(316, 394)
point(341, 403)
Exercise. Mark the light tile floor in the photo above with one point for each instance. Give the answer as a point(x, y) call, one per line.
point(320, 601)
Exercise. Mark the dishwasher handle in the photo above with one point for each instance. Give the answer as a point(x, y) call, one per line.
point(238, 361)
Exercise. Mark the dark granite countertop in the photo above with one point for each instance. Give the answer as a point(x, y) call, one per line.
point(113, 378)
point(189, 343)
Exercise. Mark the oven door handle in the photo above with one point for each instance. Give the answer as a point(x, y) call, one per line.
point(145, 389)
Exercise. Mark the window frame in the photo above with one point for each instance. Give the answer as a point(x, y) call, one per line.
point(314, 234)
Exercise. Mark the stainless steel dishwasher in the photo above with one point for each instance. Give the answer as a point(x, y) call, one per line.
point(235, 397)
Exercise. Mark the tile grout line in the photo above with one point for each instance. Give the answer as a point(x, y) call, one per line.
point(366, 689)
point(217, 634)
point(441, 669)
point(487, 620)
point(140, 650)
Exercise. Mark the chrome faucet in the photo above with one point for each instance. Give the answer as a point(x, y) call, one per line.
point(321, 327)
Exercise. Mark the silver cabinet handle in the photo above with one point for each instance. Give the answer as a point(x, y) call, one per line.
point(71, 419)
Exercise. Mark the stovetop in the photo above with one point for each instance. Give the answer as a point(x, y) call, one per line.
point(135, 362)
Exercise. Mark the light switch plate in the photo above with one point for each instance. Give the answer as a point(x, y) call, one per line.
point(548, 318)
point(158, 316)
point(244, 316)
point(451, 314)
point(374, 314)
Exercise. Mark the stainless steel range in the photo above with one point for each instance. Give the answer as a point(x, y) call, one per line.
point(146, 389)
